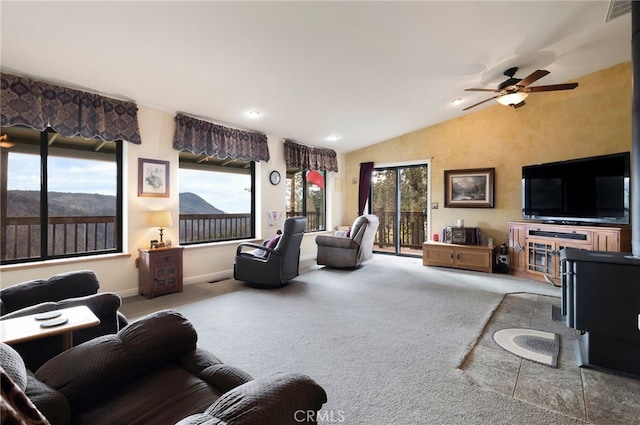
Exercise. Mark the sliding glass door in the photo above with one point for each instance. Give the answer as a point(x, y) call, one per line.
point(399, 199)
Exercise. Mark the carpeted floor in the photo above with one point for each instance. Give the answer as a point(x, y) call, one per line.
point(385, 341)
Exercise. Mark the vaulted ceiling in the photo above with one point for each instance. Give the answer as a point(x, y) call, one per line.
point(363, 71)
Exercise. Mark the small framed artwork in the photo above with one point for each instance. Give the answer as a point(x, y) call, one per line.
point(153, 178)
point(471, 188)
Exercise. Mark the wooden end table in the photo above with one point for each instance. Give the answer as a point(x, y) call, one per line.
point(27, 328)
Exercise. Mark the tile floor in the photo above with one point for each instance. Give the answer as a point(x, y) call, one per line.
point(587, 394)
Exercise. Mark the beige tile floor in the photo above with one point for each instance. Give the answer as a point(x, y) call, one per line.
point(587, 394)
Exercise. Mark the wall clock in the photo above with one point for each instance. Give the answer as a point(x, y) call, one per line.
point(274, 177)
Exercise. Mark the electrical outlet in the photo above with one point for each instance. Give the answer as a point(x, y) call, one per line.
point(434, 205)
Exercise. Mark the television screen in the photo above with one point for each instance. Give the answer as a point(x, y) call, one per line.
point(591, 190)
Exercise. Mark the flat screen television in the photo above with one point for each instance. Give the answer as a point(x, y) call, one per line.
point(585, 190)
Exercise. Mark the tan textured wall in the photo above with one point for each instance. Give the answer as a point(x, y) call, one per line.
point(593, 119)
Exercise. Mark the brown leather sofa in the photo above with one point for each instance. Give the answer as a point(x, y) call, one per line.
point(60, 291)
point(349, 251)
point(151, 372)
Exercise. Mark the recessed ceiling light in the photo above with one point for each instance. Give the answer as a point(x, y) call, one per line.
point(457, 101)
point(333, 137)
point(254, 113)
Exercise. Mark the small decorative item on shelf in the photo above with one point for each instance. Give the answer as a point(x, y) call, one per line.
point(461, 235)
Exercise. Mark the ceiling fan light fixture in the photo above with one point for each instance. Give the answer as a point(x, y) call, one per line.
point(512, 98)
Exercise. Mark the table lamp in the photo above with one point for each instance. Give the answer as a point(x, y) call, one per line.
point(160, 219)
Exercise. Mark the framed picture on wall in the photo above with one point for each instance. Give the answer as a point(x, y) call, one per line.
point(153, 178)
point(471, 188)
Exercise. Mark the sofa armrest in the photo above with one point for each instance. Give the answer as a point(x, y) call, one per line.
point(51, 403)
point(331, 241)
point(210, 368)
point(275, 399)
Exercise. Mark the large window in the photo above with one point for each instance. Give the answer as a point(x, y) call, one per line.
point(216, 199)
point(306, 197)
point(61, 197)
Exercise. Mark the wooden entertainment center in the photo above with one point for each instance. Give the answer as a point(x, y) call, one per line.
point(534, 248)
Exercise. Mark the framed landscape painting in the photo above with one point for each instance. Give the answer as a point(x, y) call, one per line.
point(471, 188)
point(153, 178)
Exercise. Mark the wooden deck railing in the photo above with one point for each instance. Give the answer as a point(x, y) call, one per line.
point(412, 229)
point(214, 227)
point(70, 235)
point(21, 236)
point(314, 220)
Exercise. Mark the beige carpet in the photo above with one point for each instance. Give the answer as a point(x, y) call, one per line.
point(385, 341)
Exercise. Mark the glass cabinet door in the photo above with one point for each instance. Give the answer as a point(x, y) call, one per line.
point(540, 257)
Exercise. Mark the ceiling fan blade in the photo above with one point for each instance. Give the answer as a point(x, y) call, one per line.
point(491, 90)
point(480, 103)
point(553, 87)
point(533, 77)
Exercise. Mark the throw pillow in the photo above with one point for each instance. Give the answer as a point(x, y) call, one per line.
point(273, 242)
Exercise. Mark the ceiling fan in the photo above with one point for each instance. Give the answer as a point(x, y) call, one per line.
point(513, 91)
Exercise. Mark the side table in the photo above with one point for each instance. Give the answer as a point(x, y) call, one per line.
point(160, 271)
point(27, 328)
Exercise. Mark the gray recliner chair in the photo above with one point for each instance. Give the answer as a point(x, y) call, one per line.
point(266, 267)
point(349, 251)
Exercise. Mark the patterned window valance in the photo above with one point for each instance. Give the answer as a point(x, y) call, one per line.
point(69, 112)
point(309, 158)
point(203, 137)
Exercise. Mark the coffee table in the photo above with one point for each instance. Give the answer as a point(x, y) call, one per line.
point(27, 328)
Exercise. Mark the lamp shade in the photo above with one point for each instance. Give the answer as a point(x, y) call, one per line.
point(512, 98)
point(160, 219)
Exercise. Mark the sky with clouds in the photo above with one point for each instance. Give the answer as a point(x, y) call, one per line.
point(228, 192)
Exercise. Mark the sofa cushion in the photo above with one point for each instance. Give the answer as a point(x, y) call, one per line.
point(91, 372)
point(159, 339)
point(61, 286)
point(163, 397)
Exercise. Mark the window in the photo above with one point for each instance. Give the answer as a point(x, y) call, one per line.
point(63, 196)
point(306, 197)
point(216, 199)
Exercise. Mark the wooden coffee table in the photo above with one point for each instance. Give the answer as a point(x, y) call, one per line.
point(27, 328)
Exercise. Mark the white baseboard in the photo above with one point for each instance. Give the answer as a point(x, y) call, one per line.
point(209, 277)
point(128, 293)
point(223, 275)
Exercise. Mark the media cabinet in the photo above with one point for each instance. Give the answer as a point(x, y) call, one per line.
point(534, 248)
point(469, 257)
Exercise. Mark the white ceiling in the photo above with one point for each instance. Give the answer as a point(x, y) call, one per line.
point(366, 71)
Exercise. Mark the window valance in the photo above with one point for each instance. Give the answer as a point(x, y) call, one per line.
point(69, 112)
point(309, 158)
point(203, 137)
